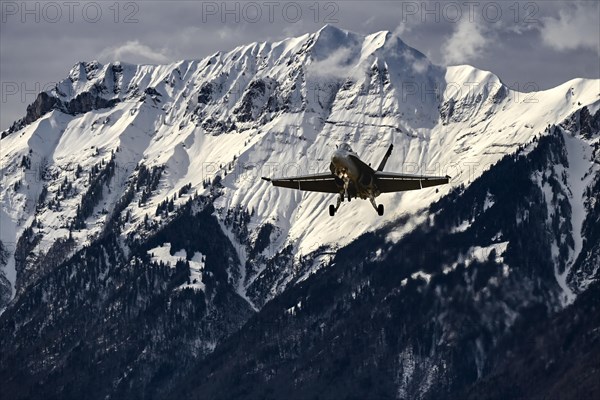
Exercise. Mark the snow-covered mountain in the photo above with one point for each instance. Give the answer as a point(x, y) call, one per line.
point(262, 109)
point(453, 310)
point(151, 174)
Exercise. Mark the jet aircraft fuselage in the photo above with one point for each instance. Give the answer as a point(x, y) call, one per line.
point(358, 177)
point(351, 178)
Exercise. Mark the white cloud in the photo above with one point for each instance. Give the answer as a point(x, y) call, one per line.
point(466, 43)
point(335, 66)
point(394, 40)
point(136, 52)
point(401, 29)
point(418, 65)
point(576, 27)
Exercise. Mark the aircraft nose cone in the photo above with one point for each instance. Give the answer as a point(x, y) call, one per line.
point(336, 158)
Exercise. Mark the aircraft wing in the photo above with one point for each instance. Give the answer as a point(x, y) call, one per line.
point(388, 182)
point(324, 183)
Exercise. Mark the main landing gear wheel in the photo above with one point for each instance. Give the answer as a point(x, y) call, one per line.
point(380, 209)
point(331, 210)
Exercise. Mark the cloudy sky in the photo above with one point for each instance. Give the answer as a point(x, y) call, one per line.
point(528, 44)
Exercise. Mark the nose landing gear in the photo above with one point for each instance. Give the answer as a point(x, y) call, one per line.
point(343, 175)
point(333, 209)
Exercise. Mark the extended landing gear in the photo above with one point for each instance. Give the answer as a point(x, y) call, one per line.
point(378, 208)
point(333, 209)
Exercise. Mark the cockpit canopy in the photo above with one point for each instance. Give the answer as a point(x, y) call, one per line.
point(346, 147)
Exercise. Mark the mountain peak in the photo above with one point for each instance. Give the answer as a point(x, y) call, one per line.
point(329, 28)
point(330, 39)
point(85, 69)
point(333, 35)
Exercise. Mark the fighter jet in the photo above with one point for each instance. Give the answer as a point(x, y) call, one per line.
point(352, 178)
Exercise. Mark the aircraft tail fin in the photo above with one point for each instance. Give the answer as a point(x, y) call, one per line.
point(385, 158)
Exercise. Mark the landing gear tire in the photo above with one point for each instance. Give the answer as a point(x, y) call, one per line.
point(380, 209)
point(331, 210)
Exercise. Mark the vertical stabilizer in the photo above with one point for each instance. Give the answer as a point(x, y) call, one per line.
point(385, 158)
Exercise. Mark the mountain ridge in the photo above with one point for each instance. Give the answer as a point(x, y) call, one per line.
point(135, 191)
point(137, 107)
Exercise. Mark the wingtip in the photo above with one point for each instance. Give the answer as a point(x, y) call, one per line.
point(266, 179)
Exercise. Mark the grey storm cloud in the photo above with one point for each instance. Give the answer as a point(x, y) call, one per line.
point(544, 42)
